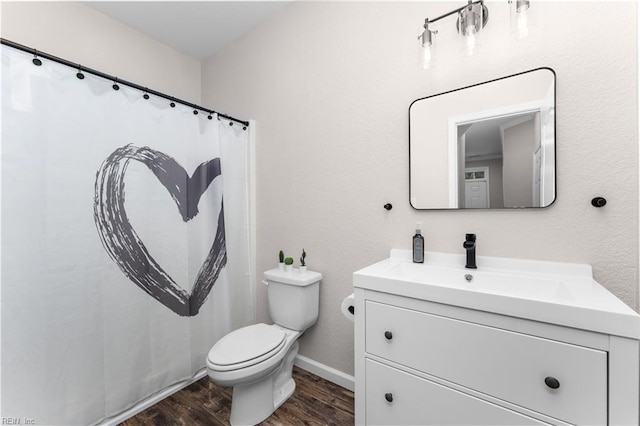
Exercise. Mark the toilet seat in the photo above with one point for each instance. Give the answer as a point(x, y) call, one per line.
point(246, 346)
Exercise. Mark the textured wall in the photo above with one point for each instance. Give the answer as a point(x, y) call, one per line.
point(330, 83)
point(81, 34)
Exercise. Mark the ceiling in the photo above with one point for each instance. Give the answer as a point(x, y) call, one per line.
point(196, 28)
point(483, 140)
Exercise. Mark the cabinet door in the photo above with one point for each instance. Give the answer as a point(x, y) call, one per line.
point(398, 398)
point(560, 380)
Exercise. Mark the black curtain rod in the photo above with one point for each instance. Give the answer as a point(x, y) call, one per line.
point(79, 67)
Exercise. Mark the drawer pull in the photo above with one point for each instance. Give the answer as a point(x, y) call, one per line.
point(388, 335)
point(388, 397)
point(552, 382)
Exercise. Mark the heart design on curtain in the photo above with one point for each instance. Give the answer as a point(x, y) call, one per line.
point(125, 247)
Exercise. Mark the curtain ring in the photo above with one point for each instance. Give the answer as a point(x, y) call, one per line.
point(146, 95)
point(115, 84)
point(79, 73)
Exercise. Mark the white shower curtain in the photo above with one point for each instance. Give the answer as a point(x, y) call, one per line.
point(119, 270)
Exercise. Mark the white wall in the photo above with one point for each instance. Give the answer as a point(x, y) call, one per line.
point(330, 83)
point(518, 146)
point(81, 34)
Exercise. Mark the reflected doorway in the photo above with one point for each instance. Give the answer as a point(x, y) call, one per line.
point(476, 188)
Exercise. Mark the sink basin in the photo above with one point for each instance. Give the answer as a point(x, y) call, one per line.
point(508, 284)
point(554, 292)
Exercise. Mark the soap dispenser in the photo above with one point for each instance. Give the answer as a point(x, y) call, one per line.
point(418, 245)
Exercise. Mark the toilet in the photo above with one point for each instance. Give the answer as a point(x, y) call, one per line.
point(257, 360)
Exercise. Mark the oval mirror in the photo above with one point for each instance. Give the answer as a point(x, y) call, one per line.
point(486, 146)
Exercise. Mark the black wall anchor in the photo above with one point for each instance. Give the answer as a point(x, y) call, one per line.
point(598, 202)
point(388, 206)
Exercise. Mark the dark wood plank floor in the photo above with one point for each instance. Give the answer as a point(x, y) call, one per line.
point(315, 402)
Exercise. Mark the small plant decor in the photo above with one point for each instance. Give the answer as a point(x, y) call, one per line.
point(303, 263)
point(288, 263)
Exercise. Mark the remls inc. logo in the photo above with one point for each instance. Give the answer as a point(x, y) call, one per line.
point(17, 421)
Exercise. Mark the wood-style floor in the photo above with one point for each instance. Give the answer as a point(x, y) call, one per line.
point(315, 402)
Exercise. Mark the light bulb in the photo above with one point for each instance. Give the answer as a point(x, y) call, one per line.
point(522, 24)
point(470, 40)
point(426, 57)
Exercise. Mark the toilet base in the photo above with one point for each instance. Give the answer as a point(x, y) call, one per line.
point(254, 402)
point(282, 394)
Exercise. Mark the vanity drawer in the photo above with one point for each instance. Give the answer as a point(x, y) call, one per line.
point(507, 365)
point(398, 398)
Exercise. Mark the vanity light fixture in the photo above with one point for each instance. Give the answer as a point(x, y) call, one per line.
point(472, 17)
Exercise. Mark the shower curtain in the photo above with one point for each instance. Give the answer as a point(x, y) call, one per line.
point(125, 242)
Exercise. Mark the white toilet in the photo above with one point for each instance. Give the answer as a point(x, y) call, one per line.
point(257, 360)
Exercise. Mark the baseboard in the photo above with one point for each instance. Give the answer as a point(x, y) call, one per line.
point(152, 400)
point(326, 372)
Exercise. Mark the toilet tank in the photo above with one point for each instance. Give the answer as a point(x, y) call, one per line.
point(293, 297)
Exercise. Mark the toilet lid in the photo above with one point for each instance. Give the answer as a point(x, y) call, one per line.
point(255, 342)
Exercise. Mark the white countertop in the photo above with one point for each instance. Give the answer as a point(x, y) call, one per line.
point(553, 292)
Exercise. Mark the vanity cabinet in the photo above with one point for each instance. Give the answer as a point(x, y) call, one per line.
point(419, 361)
point(507, 365)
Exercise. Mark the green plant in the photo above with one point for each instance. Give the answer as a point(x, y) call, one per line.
point(288, 261)
point(281, 256)
point(302, 258)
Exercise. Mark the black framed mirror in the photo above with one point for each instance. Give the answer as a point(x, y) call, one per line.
point(486, 146)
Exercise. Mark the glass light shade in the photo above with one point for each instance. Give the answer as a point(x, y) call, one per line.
point(469, 45)
point(522, 17)
point(470, 22)
point(427, 57)
point(427, 44)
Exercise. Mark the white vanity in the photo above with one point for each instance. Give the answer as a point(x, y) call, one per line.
point(514, 342)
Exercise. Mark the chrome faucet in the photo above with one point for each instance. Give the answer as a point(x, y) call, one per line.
point(470, 245)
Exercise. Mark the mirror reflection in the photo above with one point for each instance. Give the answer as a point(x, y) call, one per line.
point(488, 146)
